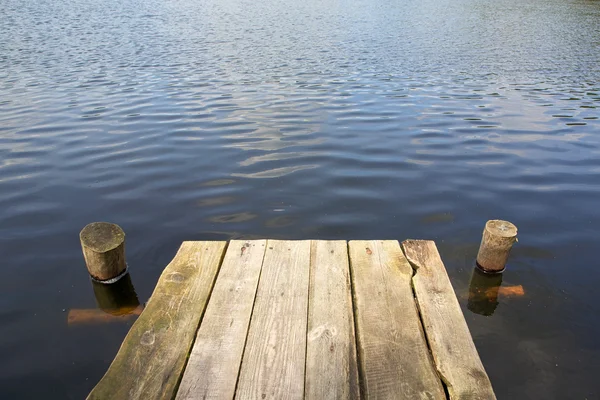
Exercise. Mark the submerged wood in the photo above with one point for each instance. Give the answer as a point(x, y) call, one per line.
point(453, 350)
point(80, 316)
point(152, 356)
point(512, 291)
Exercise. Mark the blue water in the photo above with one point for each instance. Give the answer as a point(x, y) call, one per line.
point(349, 119)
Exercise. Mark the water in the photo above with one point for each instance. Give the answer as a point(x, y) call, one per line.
point(219, 119)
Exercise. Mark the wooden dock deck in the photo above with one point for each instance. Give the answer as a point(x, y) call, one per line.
point(272, 319)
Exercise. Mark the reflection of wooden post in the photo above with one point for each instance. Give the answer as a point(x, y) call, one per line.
point(483, 292)
point(118, 298)
point(117, 302)
point(103, 247)
point(498, 238)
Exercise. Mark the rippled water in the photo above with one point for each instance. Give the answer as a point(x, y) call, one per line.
point(218, 119)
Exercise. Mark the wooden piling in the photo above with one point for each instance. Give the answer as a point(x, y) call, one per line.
point(103, 246)
point(498, 238)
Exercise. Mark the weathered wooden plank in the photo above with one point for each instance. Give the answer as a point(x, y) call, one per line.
point(214, 364)
point(150, 360)
point(274, 357)
point(454, 352)
point(331, 369)
point(394, 359)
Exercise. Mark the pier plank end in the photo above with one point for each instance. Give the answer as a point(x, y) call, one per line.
point(392, 350)
point(212, 370)
point(331, 367)
point(453, 350)
point(275, 354)
point(153, 354)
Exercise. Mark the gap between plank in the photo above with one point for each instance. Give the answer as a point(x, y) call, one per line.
point(354, 318)
point(310, 276)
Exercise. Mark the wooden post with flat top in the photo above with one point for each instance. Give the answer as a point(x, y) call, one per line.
point(498, 238)
point(103, 246)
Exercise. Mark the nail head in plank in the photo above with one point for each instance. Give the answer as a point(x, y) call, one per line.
point(152, 356)
point(214, 363)
point(393, 355)
point(274, 357)
point(454, 352)
point(331, 369)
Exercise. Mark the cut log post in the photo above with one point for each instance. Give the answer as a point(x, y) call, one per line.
point(498, 238)
point(103, 246)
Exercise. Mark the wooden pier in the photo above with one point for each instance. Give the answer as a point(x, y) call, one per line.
point(272, 319)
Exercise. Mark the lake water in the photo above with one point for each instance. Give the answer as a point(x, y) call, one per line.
point(349, 119)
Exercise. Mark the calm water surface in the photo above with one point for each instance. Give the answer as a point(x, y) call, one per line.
point(219, 119)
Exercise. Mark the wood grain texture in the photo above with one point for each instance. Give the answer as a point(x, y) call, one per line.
point(393, 355)
point(152, 356)
point(454, 352)
point(331, 368)
point(274, 357)
point(103, 246)
point(496, 243)
point(213, 366)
